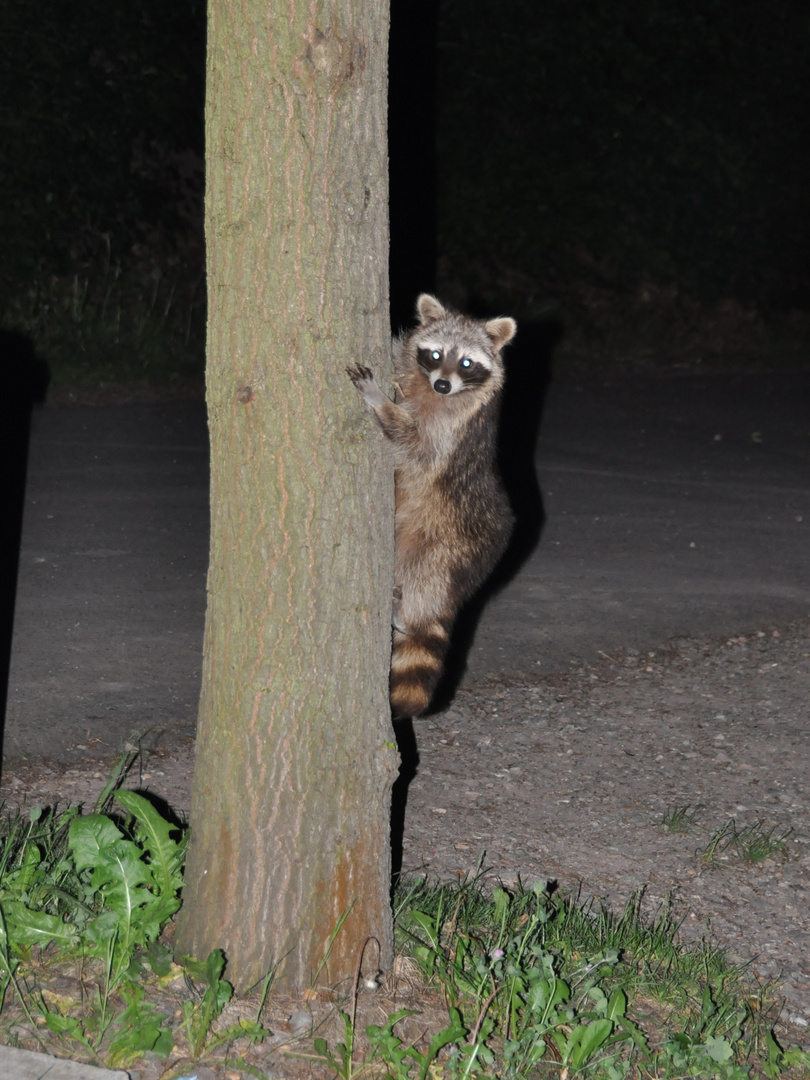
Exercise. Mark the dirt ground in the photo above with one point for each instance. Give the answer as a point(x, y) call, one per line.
point(568, 777)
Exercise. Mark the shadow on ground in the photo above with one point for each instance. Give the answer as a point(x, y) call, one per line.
point(25, 381)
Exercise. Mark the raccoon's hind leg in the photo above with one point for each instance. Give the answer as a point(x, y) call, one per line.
point(424, 615)
point(417, 660)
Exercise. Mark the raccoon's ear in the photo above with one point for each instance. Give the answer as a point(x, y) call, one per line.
point(429, 309)
point(501, 330)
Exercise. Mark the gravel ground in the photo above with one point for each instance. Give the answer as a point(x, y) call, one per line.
point(568, 778)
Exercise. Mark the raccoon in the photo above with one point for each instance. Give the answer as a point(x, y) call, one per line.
point(453, 520)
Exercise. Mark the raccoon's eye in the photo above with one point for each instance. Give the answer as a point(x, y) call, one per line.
point(435, 355)
point(466, 362)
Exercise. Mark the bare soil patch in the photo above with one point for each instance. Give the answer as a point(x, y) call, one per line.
point(568, 778)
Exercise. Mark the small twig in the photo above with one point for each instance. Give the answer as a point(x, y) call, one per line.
point(483, 1013)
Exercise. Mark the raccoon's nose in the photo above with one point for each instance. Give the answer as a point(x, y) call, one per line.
point(442, 386)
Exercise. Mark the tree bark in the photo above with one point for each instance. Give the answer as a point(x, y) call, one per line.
point(290, 810)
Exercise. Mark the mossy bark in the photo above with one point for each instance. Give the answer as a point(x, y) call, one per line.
point(295, 760)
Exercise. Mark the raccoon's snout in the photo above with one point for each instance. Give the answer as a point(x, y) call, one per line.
point(442, 386)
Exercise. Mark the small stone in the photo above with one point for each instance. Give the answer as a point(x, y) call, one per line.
point(300, 1022)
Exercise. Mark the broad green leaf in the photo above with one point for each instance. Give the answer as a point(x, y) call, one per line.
point(584, 1039)
point(154, 832)
point(719, 1049)
point(150, 919)
point(249, 1029)
point(242, 1029)
point(141, 1029)
point(198, 1018)
point(89, 838)
point(547, 994)
point(26, 927)
point(214, 966)
point(796, 1056)
point(219, 990)
point(121, 874)
point(595, 1035)
point(67, 1025)
point(502, 901)
point(617, 1006)
point(63, 1025)
point(454, 1032)
point(99, 931)
point(160, 961)
point(165, 1043)
point(428, 924)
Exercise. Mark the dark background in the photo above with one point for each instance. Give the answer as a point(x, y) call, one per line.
point(636, 171)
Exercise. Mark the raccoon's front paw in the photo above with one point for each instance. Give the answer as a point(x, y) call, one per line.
point(363, 379)
point(358, 373)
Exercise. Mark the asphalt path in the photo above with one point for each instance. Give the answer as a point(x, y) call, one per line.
point(664, 508)
point(673, 507)
point(110, 598)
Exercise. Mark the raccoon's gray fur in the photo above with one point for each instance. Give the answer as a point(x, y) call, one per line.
point(453, 519)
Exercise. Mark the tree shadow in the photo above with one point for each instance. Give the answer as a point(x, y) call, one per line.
point(25, 381)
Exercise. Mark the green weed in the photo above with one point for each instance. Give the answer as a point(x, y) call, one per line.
point(750, 844)
point(517, 984)
point(90, 888)
point(538, 986)
point(200, 1013)
point(681, 819)
point(110, 326)
point(756, 843)
point(101, 209)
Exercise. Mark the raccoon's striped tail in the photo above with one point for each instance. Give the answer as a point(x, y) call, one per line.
point(417, 660)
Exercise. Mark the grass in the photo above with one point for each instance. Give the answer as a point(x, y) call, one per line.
point(110, 327)
point(681, 819)
point(102, 262)
point(729, 844)
point(750, 844)
point(487, 982)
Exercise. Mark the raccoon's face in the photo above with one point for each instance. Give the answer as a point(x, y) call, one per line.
point(453, 370)
point(453, 352)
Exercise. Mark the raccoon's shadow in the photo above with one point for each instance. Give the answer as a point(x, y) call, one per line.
point(528, 374)
point(409, 764)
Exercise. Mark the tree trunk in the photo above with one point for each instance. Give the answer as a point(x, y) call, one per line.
point(290, 809)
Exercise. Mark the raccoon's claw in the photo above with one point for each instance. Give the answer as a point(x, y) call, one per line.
point(358, 374)
point(363, 379)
